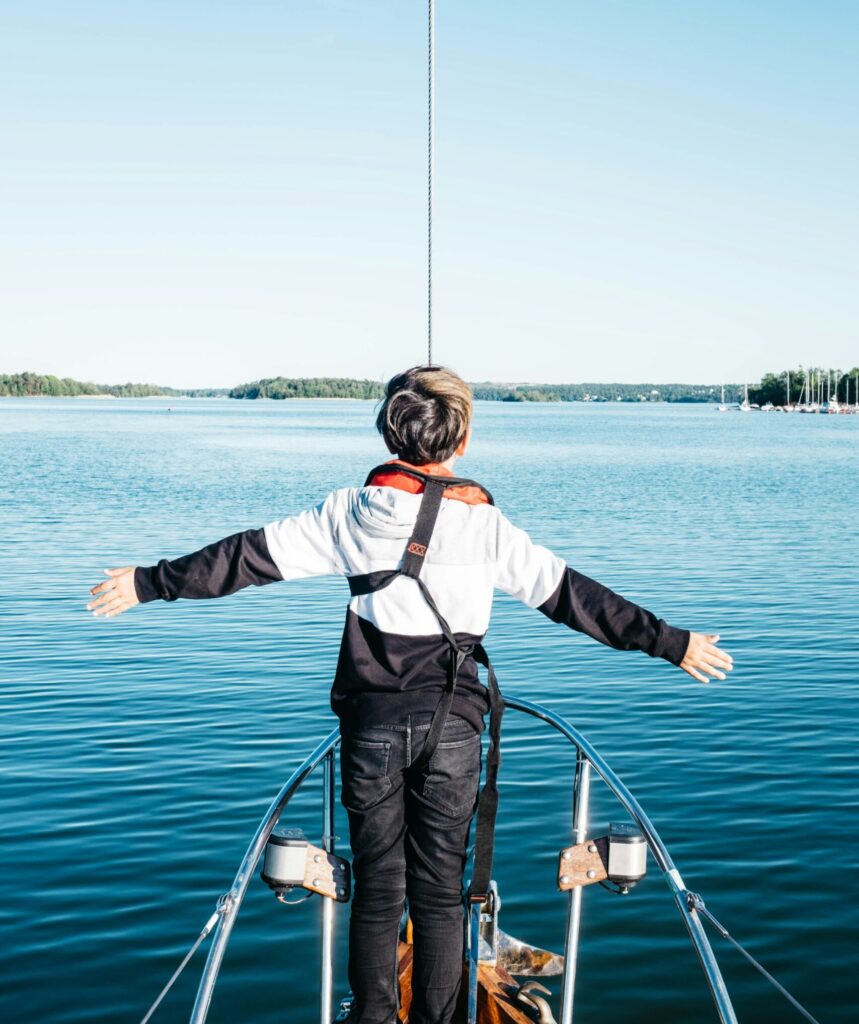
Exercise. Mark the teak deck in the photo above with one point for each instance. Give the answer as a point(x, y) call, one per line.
point(496, 991)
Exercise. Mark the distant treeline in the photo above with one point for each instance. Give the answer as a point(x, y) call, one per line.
point(787, 386)
point(344, 387)
point(600, 392)
point(772, 388)
point(29, 385)
point(308, 387)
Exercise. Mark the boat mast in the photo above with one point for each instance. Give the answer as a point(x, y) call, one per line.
point(430, 162)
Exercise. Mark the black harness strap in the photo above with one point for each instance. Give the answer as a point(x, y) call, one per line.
point(487, 808)
point(369, 583)
point(413, 560)
point(416, 549)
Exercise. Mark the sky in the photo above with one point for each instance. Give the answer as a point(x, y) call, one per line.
point(201, 193)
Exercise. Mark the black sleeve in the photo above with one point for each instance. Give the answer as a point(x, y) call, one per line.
point(242, 560)
point(589, 607)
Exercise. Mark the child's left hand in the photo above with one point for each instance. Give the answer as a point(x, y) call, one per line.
point(703, 658)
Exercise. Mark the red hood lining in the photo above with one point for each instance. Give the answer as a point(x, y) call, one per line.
point(402, 481)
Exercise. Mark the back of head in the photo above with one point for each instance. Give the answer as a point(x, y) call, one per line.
point(425, 414)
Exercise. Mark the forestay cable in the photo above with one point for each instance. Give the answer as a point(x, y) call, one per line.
point(695, 902)
point(223, 904)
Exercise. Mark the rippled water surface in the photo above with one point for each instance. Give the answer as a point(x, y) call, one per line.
point(137, 755)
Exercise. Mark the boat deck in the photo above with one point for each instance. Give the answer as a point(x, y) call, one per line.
point(496, 994)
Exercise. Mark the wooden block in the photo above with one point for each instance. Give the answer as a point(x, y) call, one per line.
point(327, 874)
point(405, 975)
point(583, 864)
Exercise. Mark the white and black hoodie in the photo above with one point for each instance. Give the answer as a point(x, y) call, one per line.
point(393, 657)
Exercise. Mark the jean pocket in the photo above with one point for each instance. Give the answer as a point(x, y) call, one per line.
point(364, 769)
point(453, 775)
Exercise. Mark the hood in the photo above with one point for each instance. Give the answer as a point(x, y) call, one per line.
point(388, 504)
point(386, 511)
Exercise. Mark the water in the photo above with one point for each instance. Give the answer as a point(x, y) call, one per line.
point(137, 755)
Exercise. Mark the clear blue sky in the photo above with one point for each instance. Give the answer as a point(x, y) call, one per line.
point(202, 193)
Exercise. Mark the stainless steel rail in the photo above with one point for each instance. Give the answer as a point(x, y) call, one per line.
point(587, 758)
point(236, 895)
point(588, 752)
point(581, 813)
point(326, 980)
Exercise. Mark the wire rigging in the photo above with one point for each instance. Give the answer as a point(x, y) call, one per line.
point(223, 903)
point(695, 902)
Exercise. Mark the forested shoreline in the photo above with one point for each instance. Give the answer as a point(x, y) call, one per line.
point(309, 387)
point(38, 385)
point(773, 388)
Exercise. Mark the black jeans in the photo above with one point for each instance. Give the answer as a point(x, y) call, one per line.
point(409, 836)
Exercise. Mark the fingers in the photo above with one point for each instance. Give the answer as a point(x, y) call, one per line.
point(108, 584)
point(117, 611)
point(110, 606)
point(717, 665)
point(701, 671)
point(100, 588)
point(716, 657)
point(701, 667)
point(714, 660)
point(709, 665)
point(104, 599)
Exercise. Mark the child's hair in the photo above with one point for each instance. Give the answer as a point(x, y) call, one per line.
point(425, 414)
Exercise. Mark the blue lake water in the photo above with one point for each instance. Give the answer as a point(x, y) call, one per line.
point(137, 755)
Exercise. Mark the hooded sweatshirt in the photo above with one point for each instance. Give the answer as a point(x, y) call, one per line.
point(393, 657)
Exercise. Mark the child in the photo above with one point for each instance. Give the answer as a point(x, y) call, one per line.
point(410, 815)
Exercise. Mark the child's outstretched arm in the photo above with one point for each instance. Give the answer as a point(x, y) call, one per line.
point(228, 565)
point(293, 548)
point(542, 580)
point(587, 606)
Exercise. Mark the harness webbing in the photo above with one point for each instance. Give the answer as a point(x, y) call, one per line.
point(413, 561)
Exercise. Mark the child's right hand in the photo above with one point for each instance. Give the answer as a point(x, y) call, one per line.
point(118, 593)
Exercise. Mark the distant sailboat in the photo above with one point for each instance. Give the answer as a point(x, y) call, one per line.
point(744, 405)
point(723, 407)
point(832, 404)
point(812, 405)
